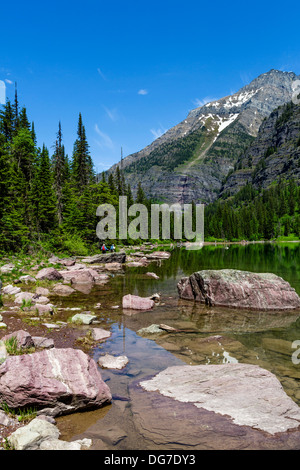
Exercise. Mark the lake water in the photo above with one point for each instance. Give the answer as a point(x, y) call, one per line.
point(262, 338)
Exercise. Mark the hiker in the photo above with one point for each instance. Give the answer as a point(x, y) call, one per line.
point(103, 248)
point(112, 248)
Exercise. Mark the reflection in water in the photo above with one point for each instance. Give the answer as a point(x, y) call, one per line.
point(203, 335)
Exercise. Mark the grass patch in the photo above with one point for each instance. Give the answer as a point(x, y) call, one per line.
point(22, 414)
point(12, 348)
point(26, 304)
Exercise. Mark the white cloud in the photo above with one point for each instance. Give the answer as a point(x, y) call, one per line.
point(105, 139)
point(207, 99)
point(111, 113)
point(2, 92)
point(157, 132)
point(10, 82)
point(143, 92)
point(101, 73)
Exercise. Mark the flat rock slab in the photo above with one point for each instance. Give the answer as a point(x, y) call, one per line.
point(58, 381)
point(83, 318)
point(176, 425)
point(99, 334)
point(158, 255)
point(11, 290)
point(250, 395)
point(106, 258)
point(242, 289)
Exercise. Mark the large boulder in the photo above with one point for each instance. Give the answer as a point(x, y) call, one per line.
point(249, 395)
point(58, 381)
point(135, 302)
point(106, 258)
point(50, 274)
point(243, 289)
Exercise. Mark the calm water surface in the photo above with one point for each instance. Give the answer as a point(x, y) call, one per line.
point(250, 337)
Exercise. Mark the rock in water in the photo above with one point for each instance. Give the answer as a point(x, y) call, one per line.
point(137, 303)
point(243, 289)
point(59, 381)
point(106, 258)
point(250, 395)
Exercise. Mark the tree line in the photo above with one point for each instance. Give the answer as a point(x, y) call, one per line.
point(50, 200)
point(254, 214)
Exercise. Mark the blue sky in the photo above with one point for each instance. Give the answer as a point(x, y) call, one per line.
point(135, 69)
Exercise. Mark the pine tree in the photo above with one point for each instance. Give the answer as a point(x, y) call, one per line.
point(82, 165)
point(47, 217)
point(14, 232)
point(16, 111)
point(58, 166)
point(140, 196)
point(7, 121)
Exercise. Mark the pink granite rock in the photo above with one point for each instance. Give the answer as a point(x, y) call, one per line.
point(23, 339)
point(79, 275)
point(137, 303)
point(51, 274)
point(62, 289)
point(59, 381)
point(242, 289)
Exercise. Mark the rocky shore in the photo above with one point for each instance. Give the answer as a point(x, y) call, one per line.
point(47, 371)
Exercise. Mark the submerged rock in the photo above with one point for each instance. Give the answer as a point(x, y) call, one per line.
point(243, 289)
point(151, 330)
point(99, 334)
point(249, 395)
point(113, 362)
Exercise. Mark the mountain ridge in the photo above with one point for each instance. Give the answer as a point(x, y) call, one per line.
point(190, 160)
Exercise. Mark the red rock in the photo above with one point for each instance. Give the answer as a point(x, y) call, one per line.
point(243, 289)
point(137, 303)
point(59, 381)
point(23, 338)
point(50, 274)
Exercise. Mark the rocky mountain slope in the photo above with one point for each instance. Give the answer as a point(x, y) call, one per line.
point(190, 161)
point(274, 154)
